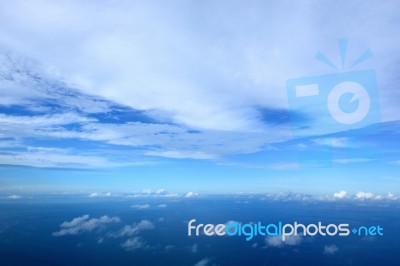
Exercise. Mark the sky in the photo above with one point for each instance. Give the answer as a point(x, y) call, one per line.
point(101, 96)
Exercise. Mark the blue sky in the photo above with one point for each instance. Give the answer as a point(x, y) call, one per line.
point(192, 96)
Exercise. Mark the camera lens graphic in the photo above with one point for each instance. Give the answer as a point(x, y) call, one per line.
point(359, 93)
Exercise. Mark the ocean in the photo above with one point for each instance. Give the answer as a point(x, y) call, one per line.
point(28, 231)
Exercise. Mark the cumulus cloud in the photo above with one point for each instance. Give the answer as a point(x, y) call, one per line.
point(391, 196)
point(203, 262)
point(134, 243)
point(130, 230)
point(83, 224)
point(276, 241)
point(162, 191)
point(364, 195)
point(141, 206)
point(191, 194)
point(340, 195)
point(330, 250)
point(75, 222)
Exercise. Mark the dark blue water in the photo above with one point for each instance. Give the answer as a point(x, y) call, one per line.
point(26, 228)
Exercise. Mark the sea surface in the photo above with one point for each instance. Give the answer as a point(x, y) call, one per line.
point(28, 229)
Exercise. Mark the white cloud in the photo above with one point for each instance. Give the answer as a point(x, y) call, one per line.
point(330, 250)
point(378, 197)
point(162, 206)
point(340, 195)
point(130, 230)
point(9, 144)
point(99, 194)
point(291, 196)
point(183, 154)
point(76, 221)
point(203, 262)
point(352, 160)
point(83, 224)
point(194, 248)
point(391, 196)
point(14, 197)
point(173, 140)
point(364, 195)
point(276, 241)
point(191, 194)
point(134, 243)
point(162, 191)
point(332, 142)
point(33, 122)
point(148, 193)
point(141, 206)
point(169, 63)
point(53, 159)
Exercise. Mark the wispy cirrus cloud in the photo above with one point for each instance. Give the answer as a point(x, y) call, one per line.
point(133, 64)
point(51, 159)
point(58, 112)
